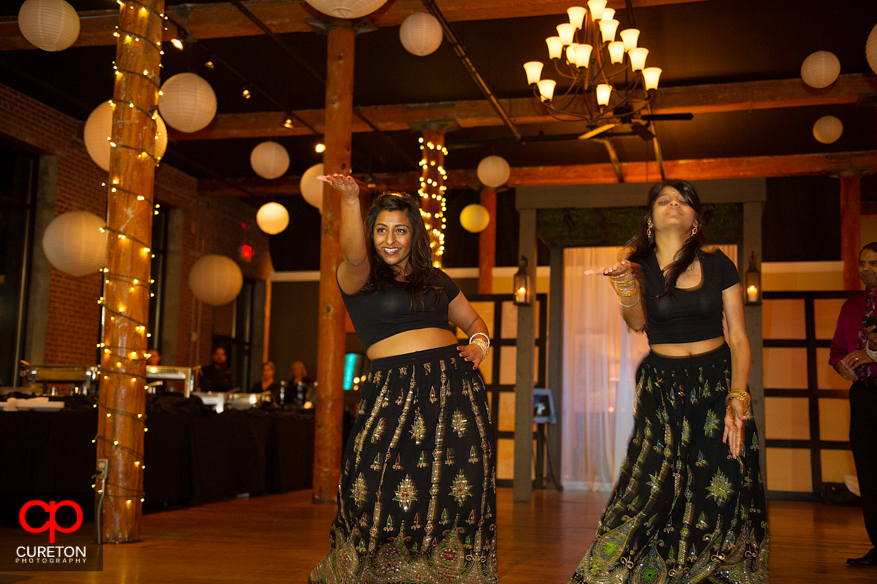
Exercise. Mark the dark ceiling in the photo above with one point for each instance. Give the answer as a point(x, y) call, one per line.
point(711, 42)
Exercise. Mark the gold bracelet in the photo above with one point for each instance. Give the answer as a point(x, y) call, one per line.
point(740, 394)
point(618, 298)
point(481, 344)
point(626, 285)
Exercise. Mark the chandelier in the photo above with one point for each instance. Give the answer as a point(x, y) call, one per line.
point(608, 82)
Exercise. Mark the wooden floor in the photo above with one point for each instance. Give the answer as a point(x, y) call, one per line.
point(279, 538)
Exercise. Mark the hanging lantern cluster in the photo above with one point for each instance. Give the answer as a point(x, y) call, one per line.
point(493, 171)
point(76, 244)
point(272, 218)
point(97, 135)
point(474, 218)
point(269, 160)
point(187, 102)
point(346, 8)
point(50, 25)
point(311, 187)
point(820, 69)
point(421, 34)
point(828, 129)
point(216, 280)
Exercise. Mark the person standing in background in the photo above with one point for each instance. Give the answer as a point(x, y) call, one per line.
point(853, 356)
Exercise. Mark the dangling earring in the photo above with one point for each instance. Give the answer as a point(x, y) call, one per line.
point(694, 229)
point(649, 229)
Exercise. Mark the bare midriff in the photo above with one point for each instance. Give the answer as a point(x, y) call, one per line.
point(411, 341)
point(688, 349)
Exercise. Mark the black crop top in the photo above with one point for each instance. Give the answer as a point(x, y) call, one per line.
point(388, 311)
point(690, 314)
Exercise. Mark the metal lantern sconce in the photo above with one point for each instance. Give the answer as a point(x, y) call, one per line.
point(753, 283)
point(522, 284)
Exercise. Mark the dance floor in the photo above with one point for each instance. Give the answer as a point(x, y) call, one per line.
point(279, 538)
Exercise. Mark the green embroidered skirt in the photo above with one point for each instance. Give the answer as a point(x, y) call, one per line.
point(417, 493)
point(683, 510)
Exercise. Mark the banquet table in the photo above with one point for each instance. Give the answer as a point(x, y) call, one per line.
point(191, 455)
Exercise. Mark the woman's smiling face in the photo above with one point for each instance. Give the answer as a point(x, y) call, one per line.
point(392, 238)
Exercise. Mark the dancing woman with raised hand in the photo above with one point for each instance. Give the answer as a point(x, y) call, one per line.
point(417, 496)
point(689, 503)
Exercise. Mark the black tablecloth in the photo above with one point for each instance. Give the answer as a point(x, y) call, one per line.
point(191, 455)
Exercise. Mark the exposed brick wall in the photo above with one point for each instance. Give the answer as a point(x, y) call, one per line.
point(212, 226)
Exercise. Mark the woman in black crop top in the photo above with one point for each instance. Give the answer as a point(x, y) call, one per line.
point(417, 498)
point(689, 503)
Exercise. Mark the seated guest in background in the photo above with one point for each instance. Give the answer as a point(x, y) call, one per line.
point(300, 386)
point(154, 357)
point(267, 383)
point(216, 376)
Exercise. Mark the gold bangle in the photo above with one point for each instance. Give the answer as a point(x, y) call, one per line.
point(481, 344)
point(627, 305)
point(740, 394)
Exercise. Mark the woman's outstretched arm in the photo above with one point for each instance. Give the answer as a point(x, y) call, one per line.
point(354, 268)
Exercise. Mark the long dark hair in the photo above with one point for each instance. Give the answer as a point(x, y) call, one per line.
point(641, 244)
point(423, 276)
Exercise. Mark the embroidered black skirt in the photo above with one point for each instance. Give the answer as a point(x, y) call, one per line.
point(417, 494)
point(683, 510)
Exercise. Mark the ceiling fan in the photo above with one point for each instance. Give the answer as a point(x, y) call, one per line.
point(632, 126)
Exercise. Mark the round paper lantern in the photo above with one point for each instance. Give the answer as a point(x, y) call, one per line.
point(493, 171)
point(187, 102)
point(474, 218)
point(269, 160)
point(272, 218)
point(820, 69)
point(215, 280)
point(311, 188)
point(51, 25)
point(75, 244)
point(871, 49)
point(346, 8)
point(421, 34)
point(827, 129)
point(98, 128)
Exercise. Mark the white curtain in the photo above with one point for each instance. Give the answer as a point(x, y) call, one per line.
point(599, 364)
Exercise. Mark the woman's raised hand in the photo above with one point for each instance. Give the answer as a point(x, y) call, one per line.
point(617, 270)
point(344, 184)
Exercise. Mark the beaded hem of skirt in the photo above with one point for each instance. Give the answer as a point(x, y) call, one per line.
point(417, 492)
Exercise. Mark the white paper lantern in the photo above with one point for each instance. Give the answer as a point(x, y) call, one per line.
point(346, 8)
point(474, 218)
point(98, 128)
point(421, 34)
point(187, 102)
point(827, 129)
point(51, 25)
point(272, 218)
point(269, 160)
point(820, 69)
point(493, 171)
point(311, 188)
point(215, 280)
point(75, 244)
point(871, 49)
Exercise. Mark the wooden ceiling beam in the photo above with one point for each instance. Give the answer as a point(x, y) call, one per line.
point(699, 99)
point(222, 20)
point(634, 172)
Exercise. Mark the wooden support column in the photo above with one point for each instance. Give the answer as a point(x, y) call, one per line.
point(487, 244)
point(524, 365)
point(330, 331)
point(752, 213)
point(122, 403)
point(432, 187)
point(850, 228)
